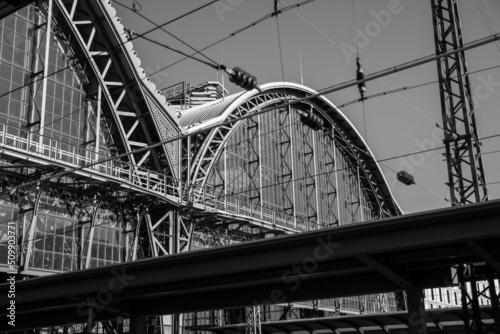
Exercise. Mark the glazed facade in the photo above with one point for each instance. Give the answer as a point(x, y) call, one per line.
point(70, 121)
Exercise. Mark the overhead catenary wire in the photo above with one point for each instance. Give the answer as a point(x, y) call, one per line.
point(276, 13)
point(410, 87)
point(487, 20)
point(359, 71)
point(424, 188)
point(80, 61)
point(327, 90)
point(354, 101)
point(211, 64)
point(349, 56)
point(167, 32)
point(236, 32)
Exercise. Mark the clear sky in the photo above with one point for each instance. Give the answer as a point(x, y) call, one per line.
point(396, 124)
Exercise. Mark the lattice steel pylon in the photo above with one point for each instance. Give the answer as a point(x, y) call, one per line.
point(252, 320)
point(466, 176)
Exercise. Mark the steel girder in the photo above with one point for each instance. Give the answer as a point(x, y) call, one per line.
point(86, 204)
point(286, 165)
point(370, 187)
point(213, 142)
point(204, 156)
point(128, 104)
point(252, 320)
point(477, 282)
point(252, 168)
point(308, 141)
point(331, 168)
point(466, 177)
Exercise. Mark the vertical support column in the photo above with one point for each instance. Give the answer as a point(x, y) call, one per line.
point(331, 179)
point(467, 281)
point(416, 311)
point(252, 167)
point(259, 150)
point(252, 323)
point(188, 149)
point(310, 181)
point(28, 234)
point(360, 195)
point(45, 75)
point(286, 164)
point(137, 325)
point(35, 78)
point(294, 199)
point(172, 229)
point(466, 178)
point(149, 227)
point(98, 123)
point(316, 178)
point(336, 166)
point(492, 291)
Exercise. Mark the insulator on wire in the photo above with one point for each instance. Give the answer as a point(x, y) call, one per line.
point(311, 120)
point(242, 78)
point(405, 177)
point(360, 75)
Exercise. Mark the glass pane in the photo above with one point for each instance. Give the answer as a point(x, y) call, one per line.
point(38, 259)
point(67, 263)
point(49, 243)
point(50, 224)
point(48, 260)
point(59, 244)
point(58, 262)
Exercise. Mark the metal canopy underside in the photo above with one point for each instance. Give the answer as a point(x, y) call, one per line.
point(438, 321)
point(385, 255)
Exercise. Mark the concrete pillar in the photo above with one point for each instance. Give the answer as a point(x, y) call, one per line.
point(416, 311)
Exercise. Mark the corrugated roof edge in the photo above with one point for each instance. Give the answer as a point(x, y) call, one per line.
point(207, 111)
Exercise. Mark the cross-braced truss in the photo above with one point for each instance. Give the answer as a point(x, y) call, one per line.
point(466, 178)
point(123, 100)
point(204, 158)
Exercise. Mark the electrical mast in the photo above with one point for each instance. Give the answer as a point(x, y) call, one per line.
point(466, 177)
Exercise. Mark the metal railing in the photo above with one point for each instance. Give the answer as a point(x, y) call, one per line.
point(72, 156)
point(206, 197)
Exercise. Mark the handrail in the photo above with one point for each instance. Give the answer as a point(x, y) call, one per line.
point(205, 197)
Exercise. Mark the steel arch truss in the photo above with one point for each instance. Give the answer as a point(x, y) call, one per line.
point(210, 146)
point(214, 141)
point(105, 52)
point(359, 158)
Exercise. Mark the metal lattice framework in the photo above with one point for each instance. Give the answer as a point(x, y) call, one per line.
point(122, 113)
point(118, 89)
point(466, 177)
point(205, 155)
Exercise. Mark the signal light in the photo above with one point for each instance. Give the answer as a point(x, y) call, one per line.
point(311, 120)
point(360, 75)
point(405, 177)
point(242, 78)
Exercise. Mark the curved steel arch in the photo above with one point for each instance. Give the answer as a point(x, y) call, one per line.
point(348, 140)
point(131, 102)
